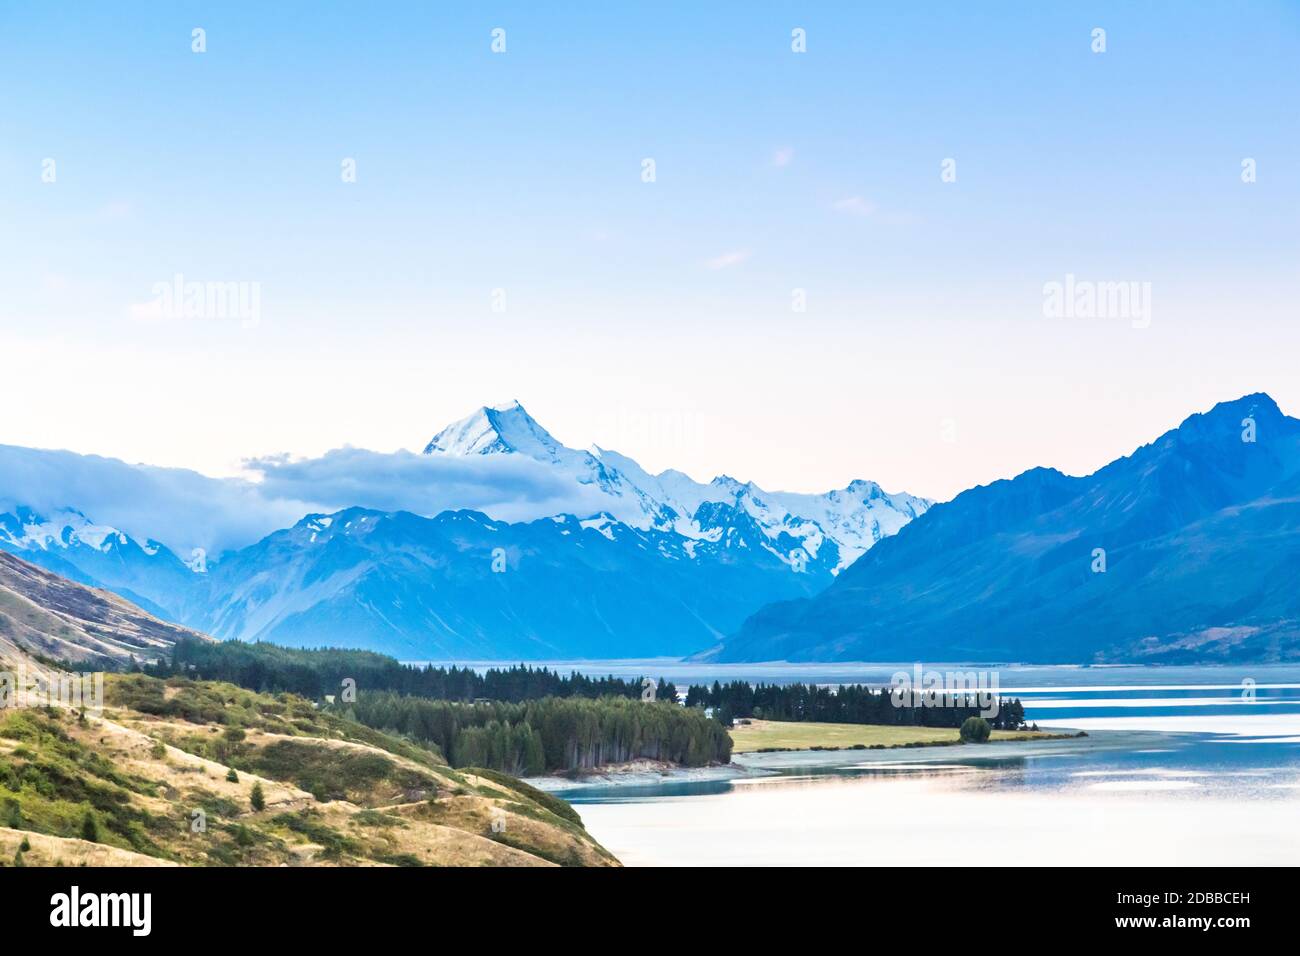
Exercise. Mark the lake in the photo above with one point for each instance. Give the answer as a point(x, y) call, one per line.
point(1182, 766)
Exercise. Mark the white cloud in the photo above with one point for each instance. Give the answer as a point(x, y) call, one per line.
point(727, 260)
point(185, 509)
point(507, 487)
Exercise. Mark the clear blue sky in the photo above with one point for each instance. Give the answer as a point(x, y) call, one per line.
point(650, 318)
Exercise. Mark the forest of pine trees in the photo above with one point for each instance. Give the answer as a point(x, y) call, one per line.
point(552, 734)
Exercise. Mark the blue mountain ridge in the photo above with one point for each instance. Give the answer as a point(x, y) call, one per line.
point(1199, 532)
point(461, 585)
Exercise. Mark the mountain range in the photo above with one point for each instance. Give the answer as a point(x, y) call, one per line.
point(663, 565)
point(1185, 551)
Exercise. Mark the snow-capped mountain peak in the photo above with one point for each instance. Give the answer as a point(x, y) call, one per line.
point(495, 430)
point(859, 486)
point(509, 429)
point(855, 518)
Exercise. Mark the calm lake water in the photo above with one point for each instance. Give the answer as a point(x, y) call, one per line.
point(1182, 765)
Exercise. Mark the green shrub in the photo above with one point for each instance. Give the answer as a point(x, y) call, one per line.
point(257, 798)
point(309, 824)
point(975, 730)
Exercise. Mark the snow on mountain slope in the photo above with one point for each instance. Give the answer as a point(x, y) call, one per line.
point(509, 429)
point(854, 518)
point(25, 529)
point(69, 543)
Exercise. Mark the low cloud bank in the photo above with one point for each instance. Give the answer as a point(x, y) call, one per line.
point(185, 509)
point(507, 487)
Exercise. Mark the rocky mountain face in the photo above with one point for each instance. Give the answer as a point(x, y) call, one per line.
point(461, 585)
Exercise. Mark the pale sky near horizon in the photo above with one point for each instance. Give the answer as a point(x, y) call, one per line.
point(651, 318)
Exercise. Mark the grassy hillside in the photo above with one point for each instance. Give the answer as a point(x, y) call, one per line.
point(133, 785)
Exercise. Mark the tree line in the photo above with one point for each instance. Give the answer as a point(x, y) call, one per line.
point(317, 672)
point(847, 704)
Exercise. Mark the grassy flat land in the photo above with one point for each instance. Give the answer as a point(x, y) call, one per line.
point(790, 735)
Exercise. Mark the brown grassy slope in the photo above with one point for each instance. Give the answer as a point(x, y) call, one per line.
point(336, 793)
point(43, 613)
point(45, 850)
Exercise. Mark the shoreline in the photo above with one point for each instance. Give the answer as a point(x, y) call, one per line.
point(774, 763)
point(914, 745)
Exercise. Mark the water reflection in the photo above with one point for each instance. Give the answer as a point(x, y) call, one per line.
point(1170, 774)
